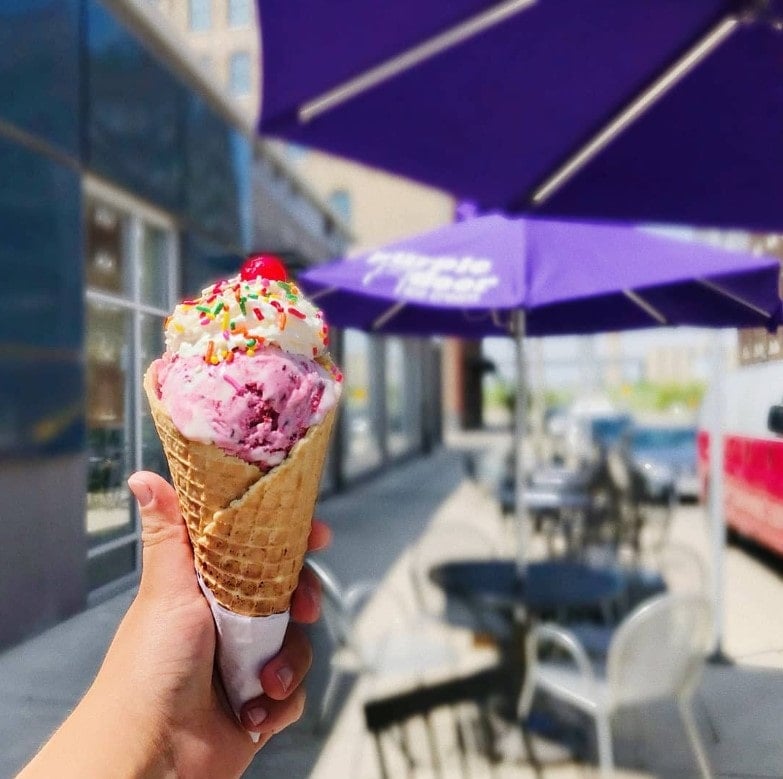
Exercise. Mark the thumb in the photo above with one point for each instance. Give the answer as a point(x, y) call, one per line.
point(167, 557)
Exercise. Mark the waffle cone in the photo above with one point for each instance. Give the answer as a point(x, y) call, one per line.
point(248, 529)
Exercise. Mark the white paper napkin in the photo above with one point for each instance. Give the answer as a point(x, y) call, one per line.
point(244, 646)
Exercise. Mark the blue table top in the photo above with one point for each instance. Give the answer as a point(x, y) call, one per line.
point(544, 586)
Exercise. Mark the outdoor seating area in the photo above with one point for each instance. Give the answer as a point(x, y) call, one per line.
point(458, 714)
point(581, 632)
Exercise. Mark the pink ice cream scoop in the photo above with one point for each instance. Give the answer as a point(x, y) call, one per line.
point(255, 408)
point(246, 366)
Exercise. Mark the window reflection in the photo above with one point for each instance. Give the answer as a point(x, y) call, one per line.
point(154, 267)
point(104, 569)
point(129, 256)
point(152, 457)
point(362, 447)
point(106, 235)
point(108, 425)
point(397, 389)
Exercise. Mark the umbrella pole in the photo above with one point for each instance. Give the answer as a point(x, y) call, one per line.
point(717, 523)
point(520, 417)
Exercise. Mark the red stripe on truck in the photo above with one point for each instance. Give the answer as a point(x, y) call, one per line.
point(753, 486)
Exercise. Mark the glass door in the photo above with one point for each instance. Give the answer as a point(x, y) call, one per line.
point(131, 269)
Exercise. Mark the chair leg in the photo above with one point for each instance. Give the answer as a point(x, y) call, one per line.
point(526, 696)
point(603, 729)
point(693, 736)
point(335, 674)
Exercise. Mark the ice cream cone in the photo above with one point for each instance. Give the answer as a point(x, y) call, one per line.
point(248, 529)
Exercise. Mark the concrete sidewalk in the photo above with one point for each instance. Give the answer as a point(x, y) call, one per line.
point(383, 529)
point(42, 679)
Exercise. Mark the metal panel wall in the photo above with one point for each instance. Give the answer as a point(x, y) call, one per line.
point(215, 203)
point(39, 69)
point(41, 330)
point(135, 113)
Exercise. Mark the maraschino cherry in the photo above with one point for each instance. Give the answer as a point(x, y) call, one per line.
point(265, 266)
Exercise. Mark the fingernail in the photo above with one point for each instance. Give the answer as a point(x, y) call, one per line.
point(285, 676)
point(256, 715)
point(140, 490)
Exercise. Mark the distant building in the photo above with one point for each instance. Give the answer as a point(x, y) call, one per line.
point(223, 35)
point(378, 206)
point(671, 363)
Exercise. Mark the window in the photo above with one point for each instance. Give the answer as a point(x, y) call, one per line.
point(200, 15)
point(361, 397)
point(403, 394)
point(238, 13)
point(131, 261)
point(239, 73)
point(340, 201)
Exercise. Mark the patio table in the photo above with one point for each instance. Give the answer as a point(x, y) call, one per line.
point(543, 588)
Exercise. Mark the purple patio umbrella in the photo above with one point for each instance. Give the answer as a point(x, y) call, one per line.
point(495, 275)
point(663, 112)
point(474, 278)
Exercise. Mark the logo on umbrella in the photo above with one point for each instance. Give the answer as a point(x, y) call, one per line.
point(441, 279)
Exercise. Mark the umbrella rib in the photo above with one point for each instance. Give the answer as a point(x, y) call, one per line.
point(390, 312)
point(645, 306)
point(322, 293)
point(636, 108)
point(498, 321)
point(400, 63)
point(711, 285)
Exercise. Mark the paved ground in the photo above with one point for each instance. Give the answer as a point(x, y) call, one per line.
point(386, 530)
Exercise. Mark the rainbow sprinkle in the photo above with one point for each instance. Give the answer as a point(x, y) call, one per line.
point(226, 310)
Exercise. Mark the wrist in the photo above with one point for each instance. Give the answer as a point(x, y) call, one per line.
point(99, 740)
point(130, 740)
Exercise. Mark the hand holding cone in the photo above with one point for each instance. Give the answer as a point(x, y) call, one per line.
point(244, 401)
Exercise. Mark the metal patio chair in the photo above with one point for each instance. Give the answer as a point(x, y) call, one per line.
point(442, 730)
point(674, 569)
point(657, 653)
point(454, 542)
point(396, 651)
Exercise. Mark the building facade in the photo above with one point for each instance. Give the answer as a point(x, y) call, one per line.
point(129, 178)
point(124, 183)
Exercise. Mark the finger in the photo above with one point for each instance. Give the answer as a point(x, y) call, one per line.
point(267, 716)
point(283, 674)
point(320, 536)
point(306, 600)
point(167, 557)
